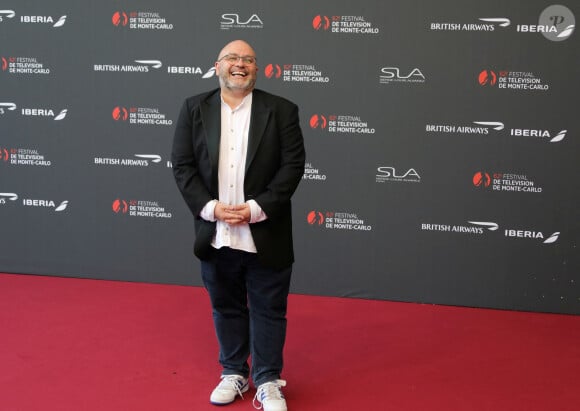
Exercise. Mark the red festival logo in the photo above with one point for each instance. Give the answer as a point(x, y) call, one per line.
point(481, 179)
point(120, 17)
point(487, 77)
point(120, 206)
point(315, 217)
point(4, 154)
point(4, 64)
point(273, 70)
point(318, 121)
point(120, 113)
point(321, 22)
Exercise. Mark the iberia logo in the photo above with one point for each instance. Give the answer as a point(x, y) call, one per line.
point(273, 70)
point(120, 113)
point(318, 121)
point(321, 22)
point(481, 179)
point(120, 18)
point(315, 218)
point(120, 206)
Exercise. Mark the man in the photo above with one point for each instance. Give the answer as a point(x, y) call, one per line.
point(238, 156)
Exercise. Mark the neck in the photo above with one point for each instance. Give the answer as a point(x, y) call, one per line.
point(233, 98)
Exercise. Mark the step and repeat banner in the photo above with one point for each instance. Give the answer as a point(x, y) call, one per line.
point(442, 142)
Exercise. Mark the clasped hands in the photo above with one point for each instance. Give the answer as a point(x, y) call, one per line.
point(233, 214)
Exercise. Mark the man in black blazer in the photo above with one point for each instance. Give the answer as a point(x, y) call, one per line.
point(238, 156)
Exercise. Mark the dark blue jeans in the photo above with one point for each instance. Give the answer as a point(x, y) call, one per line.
point(249, 311)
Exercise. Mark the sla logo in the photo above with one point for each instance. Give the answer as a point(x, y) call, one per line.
point(390, 174)
point(394, 72)
point(120, 113)
point(321, 22)
point(487, 78)
point(532, 235)
point(394, 75)
point(315, 218)
point(273, 70)
point(120, 18)
point(318, 121)
point(120, 206)
point(481, 179)
point(232, 20)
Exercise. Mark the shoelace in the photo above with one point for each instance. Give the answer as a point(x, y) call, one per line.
point(234, 381)
point(268, 391)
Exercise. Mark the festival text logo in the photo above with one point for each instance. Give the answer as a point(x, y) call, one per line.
point(355, 25)
point(505, 182)
point(23, 157)
point(340, 124)
point(140, 208)
point(140, 20)
point(295, 73)
point(23, 65)
point(312, 173)
point(511, 80)
point(148, 116)
point(332, 220)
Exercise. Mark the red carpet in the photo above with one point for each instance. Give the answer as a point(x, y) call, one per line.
point(70, 344)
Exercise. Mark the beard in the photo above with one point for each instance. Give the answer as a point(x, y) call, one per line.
point(246, 85)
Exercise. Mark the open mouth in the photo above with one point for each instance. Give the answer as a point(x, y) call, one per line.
point(238, 74)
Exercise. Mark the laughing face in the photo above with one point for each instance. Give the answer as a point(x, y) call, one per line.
point(236, 67)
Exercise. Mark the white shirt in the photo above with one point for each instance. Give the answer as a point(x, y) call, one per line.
point(235, 127)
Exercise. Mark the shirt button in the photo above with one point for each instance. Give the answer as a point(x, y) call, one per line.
point(231, 186)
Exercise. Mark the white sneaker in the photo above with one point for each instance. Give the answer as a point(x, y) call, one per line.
point(270, 397)
point(229, 387)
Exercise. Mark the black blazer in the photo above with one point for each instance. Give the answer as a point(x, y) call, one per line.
point(274, 167)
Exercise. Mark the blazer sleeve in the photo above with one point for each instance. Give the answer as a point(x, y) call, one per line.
point(189, 157)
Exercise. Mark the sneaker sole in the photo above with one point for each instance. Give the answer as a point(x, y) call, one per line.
point(245, 389)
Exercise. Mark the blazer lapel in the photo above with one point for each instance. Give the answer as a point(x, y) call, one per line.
point(258, 121)
point(211, 120)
